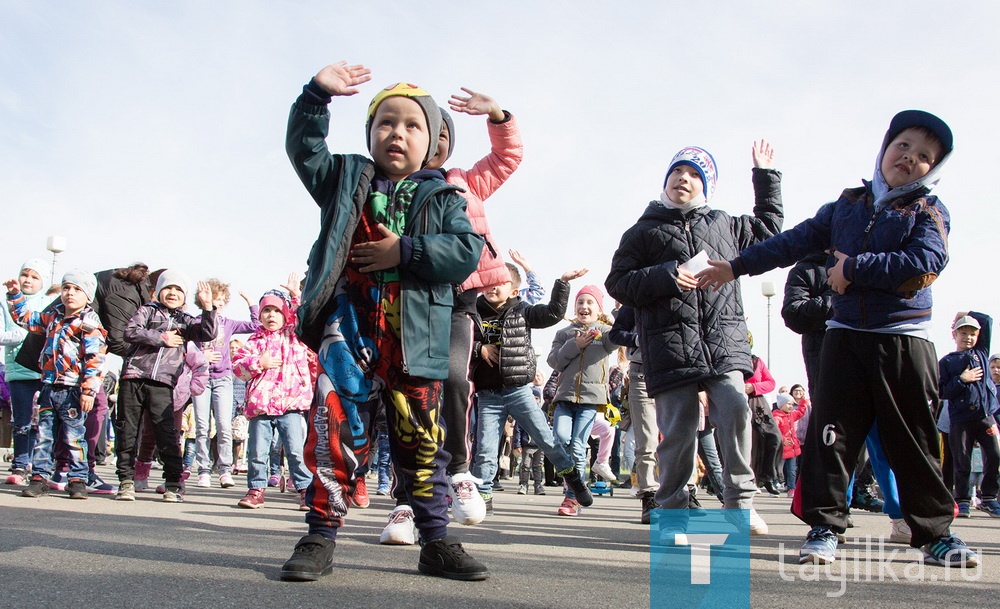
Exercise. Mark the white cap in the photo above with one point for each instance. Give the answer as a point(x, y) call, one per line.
point(965, 320)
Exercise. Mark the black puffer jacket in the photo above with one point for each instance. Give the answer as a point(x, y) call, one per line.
point(510, 327)
point(807, 304)
point(696, 334)
point(116, 302)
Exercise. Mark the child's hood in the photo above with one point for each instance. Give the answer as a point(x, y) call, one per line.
point(899, 123)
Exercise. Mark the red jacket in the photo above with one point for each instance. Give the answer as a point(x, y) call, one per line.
point(786, 424)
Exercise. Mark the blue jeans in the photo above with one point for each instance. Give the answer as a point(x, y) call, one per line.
point(275, 458)
point(291, 429)
point(790, 470)
point(571, 425)
point(518, 402)
point(217, 401)
point(62, 402)
point(383, 459)
point(22, 400)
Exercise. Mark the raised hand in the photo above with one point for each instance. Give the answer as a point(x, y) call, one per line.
point(519, 260)
point(340, 78)
point(476, 104)
point(12, 286)
point(292, 285)
point(377, 255)
point(575, 274)
point(763, 154)
point(204, 295)
point(246, 298)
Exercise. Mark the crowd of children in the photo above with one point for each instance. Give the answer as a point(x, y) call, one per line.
point(410, 338)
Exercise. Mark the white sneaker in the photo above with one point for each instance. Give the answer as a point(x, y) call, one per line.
point(603, 470)
point(204, 481)
point(467, 505)
point(225, 481)
point(757, 524)
point(901, 532)
point(400, 530)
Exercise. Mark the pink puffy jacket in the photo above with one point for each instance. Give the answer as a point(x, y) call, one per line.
point(485, 177)
point(276, 391)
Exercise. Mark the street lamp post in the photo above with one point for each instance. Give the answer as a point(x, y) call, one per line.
point(56, 245)
point(767, 289)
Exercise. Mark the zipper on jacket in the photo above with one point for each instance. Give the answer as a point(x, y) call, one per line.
point(864, 248)
point(159, 352)
point(697, 297)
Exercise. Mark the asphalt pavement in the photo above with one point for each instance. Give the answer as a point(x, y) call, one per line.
point(207, 552)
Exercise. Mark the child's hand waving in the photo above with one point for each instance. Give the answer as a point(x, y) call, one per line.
point(292, 285)
point(571, 275)
point(204, 296)
point(476, 104)
point(340, 78)
point(12, 286)
point(763, 154)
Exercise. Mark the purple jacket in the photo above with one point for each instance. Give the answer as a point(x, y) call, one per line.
point(227, 328)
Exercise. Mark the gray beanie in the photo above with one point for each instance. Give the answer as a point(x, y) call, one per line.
point(426, 102)
point(171, 277)
point(451, 132)
point(83, 280)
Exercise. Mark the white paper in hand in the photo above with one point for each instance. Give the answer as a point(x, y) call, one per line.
point(697, 264)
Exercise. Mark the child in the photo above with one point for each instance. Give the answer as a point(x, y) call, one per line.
point(376, 307)
point(690, 340)
point(280, 372)
point(786, 415)
point(23, 382)
point(71, 363)
point(478, 184)
point(579, 354)
point(889, 242)
point(193, 381)
point(504, 370)
point(157, 334)
point(217, 400)
point(972, 408)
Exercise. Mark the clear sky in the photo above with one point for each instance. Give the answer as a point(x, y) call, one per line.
point(154, 131)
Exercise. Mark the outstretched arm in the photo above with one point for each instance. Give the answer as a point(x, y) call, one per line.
point(477, 104)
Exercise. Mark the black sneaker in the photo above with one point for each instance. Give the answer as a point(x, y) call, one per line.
point(863, 499)
point(38, 487)
point(77, 489)
point(694, 506)
point(578, 486)
point(312, 558)
point(447, 558)
point(648, 505)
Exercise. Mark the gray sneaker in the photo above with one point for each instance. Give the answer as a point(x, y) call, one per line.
point(173, 494)
point(126, 491)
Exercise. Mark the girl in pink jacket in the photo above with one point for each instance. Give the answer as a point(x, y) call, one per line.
point(280, 372)
point(478, 184)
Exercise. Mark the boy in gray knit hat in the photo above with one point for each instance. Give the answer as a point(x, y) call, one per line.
point(71, 376)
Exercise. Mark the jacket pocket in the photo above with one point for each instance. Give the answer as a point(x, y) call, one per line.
point(442, 299)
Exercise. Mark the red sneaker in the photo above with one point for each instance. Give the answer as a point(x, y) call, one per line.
point(253, 499)
point(569, 507)
point(361, 498)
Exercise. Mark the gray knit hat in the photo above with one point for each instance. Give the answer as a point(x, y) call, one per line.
point(83, 280)
point(171, 277)
point(427, 104)
point(451, 132)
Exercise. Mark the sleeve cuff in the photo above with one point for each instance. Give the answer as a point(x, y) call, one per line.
point(315, 94)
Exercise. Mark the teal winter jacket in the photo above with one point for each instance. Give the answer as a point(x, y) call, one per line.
point(443, 248)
